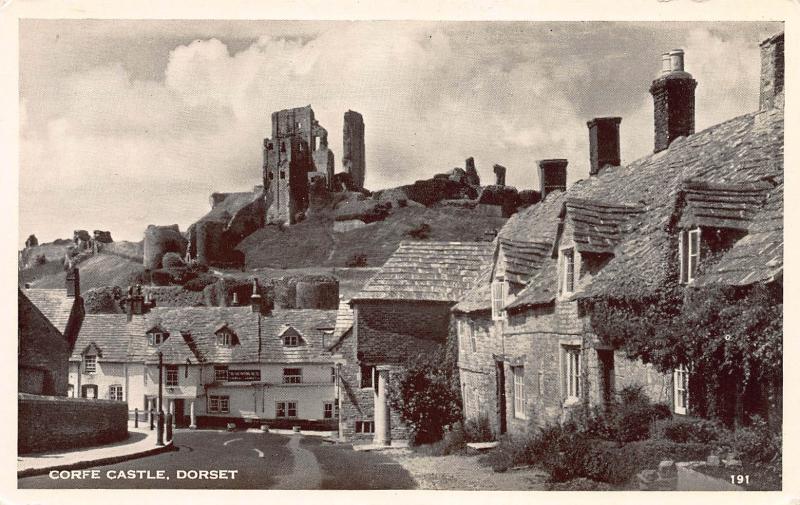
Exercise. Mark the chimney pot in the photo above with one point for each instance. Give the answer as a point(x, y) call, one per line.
point(73, 283)
point(603, 143)
point(676, 60)
point(666, 65)
point(552, 175)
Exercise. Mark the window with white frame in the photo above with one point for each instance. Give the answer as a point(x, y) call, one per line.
point(220, 373)
point(365, 427)
point(90, 363)
point(499, 293)
point(327, 410)
point(572, 371)
point(333, 374)
point(680, 381)
point(689, 254)
point(172, 376)
point(567, 270)
point(156, 338)
point(367, 376)
point(285, 409)
point(520, 400)
point(224, 338)
point(115, 393)
point(292, 375)
point(291, 340)
point(219, 404)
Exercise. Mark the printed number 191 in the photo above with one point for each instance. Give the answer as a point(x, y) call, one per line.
point(740, 479)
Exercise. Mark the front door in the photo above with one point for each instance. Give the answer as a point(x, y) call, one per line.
point(606, 360)
point(180, 418)
point(501, 396)
point(89, 391)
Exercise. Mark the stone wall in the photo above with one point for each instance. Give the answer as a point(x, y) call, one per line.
point(43, 353)
point(159, 240)
point(353, 149)
point(49, 423)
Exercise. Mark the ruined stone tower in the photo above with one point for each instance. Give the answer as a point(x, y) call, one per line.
point(353, 152)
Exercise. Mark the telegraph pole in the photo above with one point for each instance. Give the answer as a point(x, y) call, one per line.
point(160, 428)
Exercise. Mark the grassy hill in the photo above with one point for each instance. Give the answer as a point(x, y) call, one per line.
point(97, 271)
point(313, 243)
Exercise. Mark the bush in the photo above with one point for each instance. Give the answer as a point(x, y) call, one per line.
point(508, 453)
point(478, 430)
point(172, 260)
point(39, 259)
point(357, 260)
point(420, 232)
point(452, 442)
point(161, 277)
point(683, 430)
point(579, 484)
point(755, 443)
point(200, 282)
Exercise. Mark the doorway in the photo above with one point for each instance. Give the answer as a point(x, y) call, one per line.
point(180, 418)
point(89, 391)
point(501, 396)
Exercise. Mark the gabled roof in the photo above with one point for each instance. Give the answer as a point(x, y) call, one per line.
point(542, 288)
point(344, 324)
point(111, 333)
point(599, 226)
point(54, 304)
point(428, 271)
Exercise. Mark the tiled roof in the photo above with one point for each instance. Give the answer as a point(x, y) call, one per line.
point(54, 304)
point(600, 226)
point(344, 323)
point(541, 289)
point(527, 238)
point(723, 205)
point(192, 335)
point(429, 271)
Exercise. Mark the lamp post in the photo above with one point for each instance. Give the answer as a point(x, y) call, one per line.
point(160, 427)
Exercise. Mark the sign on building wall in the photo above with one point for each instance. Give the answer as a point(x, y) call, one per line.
point(244, 375)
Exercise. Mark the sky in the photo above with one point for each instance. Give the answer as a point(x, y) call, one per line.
point(130, 123)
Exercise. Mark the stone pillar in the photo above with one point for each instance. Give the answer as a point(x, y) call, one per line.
point(383, 429)
point(172, 411)
point(192, 418)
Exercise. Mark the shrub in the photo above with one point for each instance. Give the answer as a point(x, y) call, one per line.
point(687, 430)
point(478, 430)
point(420, 232)
point(39, 259)
point(357, 260)
point(508, 453)
point(172, 260)
point(200, 282)
point(579, 484)
point(755, 443)
point(452, 442)
point(142, 277)
point(161, 277)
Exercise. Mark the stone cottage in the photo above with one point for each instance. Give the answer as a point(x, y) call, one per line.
point(528, 354)
point(403, 310)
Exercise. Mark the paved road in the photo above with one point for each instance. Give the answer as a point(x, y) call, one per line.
point(249, 461)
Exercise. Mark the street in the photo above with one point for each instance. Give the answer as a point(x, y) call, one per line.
point(206, 459)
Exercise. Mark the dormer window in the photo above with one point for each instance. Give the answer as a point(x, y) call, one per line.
point(567, 270)
point(224, 336)
point(689, 254)
point(155, 338)
point(499, 293)
point(90, 363)
point(291, 338)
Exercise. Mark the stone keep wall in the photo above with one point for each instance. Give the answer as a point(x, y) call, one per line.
point(353, 149)
point(159, 240)
point(48, 423)
point(43, 353)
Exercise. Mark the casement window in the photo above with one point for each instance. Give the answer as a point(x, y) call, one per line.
point(172, 376)
point(572, 372)
point(115, 393)
point(365, 427)
point(155, 338)
point(224, 339)
point(220, 373)
point(327, 410)
point(689, 254)
point(292, 375)
point(499, 294)
point(219, 404)
point(285, 409)
point(291, 340)
point(367, 376)
point(90, 363)
point(567, 271)
point(520, 400)
point(333, 375)
point(680, 381)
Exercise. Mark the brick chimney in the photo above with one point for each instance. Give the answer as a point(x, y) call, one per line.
point(73, 283)
point(673, 98)
point(772, 66)
point(603, 143)
point(552, 176)
point(136, 302)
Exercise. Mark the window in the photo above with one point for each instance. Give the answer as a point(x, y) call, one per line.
point(299, 125)
point(568, 264)
point(283, 174)
point(90, 363)
point(572, 372)
point(689, 254)
point(155, 338)
point(224, 339)
point(172, 376)
point(283, 147)
point(333, 374)
point(499, 292)
point(680, 380)
point(365, 427)
point(220, 404)
point(115, 393)
point(520, 399)
point(285, 409)
point(220, 373)
point(327, 410)
point(291, 340)
point(292, 375)
point(70, 390)
point(367, 376)
point(271, 176)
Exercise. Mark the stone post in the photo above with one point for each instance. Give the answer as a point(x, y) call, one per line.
point(383, 433)
point(192, 418)
point(169, 426)
point(172, 412)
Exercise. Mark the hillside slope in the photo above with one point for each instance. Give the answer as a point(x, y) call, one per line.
point(99, 270)
point(313, 243)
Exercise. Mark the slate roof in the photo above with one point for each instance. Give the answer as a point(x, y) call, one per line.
point(344, 323)
point(192, 335)
point(54, 304)
point(478, 299)
point(428, 271)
